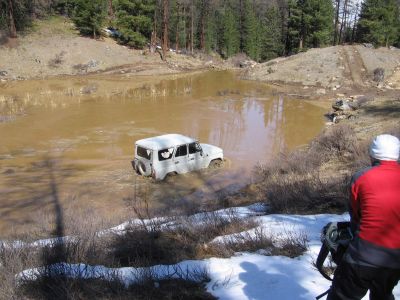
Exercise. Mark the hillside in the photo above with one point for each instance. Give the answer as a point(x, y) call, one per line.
point(54, 47)
point(344, 68)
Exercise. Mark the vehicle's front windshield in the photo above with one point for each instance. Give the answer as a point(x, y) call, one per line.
point(143, 152)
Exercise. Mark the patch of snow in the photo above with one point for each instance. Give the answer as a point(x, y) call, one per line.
point(241, 277)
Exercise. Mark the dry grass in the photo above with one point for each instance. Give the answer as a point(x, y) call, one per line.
point(288, 244)
point(67, 288)
point(57, 60)
point(146, 246)
point(138, 246)
point(13, 261)
point(295, 183)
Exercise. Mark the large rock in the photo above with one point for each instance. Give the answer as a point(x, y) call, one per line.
point(379, 74)
point(342, 105)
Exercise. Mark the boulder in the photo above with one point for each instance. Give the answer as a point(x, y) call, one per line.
point(379, 74)
point(341, 105)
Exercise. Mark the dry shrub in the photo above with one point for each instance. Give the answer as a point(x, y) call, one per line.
point(293, 183)
point(88, 249)
point(62, 287)
point(339, 141)
point(141, 247)
point(288, 244)
point(13, 261)
point(57, 60)
point(306, 193)
point(292, 245)
point(188, 239)
point(65, 282)
point(296, 162)
point(68, 288)
point(244, 241)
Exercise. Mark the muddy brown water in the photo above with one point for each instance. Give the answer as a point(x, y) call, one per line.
point(68, 142)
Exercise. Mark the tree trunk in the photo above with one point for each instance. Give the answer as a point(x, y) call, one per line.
point(153, 38)
point(335, 37)
point(344, 15)
point(177, 27)
point(185, 43)
point(287, 35)
point(191, 28)
point(354, 24)
point(302, 32)
point(110, 10)
point(202, 25)
point(13, 29)
point(165, 29)
point(241, 21)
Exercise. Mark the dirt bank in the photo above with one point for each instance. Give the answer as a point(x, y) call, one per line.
point(55, 48)
point(330, 70)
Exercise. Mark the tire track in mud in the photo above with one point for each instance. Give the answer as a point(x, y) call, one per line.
point(354, 68)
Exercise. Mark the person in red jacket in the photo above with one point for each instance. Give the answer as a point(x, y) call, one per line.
point(372, 260)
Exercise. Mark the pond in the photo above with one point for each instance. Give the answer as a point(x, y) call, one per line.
point(70, 139)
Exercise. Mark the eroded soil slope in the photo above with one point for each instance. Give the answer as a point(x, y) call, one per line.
point(332, 68)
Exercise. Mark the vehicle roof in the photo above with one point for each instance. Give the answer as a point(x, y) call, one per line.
point(164, 141)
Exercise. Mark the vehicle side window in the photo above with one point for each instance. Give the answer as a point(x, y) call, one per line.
point(181, 151)
point(165, 154)
point(143, 152)
point(194, 147)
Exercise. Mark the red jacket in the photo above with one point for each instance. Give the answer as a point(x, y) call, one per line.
point(375, 210)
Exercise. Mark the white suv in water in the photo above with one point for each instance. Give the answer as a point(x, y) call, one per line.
point(173, 154)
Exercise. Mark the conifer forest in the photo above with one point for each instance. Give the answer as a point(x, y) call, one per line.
point(262, 29)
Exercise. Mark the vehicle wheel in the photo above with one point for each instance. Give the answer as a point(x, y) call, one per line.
point(215, 164)
point(170, 177)
point(142, 169)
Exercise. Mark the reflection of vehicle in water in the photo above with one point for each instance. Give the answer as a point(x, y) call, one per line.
point(173, 154)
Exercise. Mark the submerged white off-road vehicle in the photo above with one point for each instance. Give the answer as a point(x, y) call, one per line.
point(173, 154)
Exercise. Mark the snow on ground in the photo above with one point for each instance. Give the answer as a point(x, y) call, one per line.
point(245, 275)
point(163, 222)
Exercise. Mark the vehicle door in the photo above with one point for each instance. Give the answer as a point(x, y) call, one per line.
point(165, 162)
point(196, 157)
point(181, 159)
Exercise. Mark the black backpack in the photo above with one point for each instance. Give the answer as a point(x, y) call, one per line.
point(335, 238)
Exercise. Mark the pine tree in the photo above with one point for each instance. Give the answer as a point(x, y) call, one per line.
point(296, 26)
point(252, 33)
point(310, 23)
point(134, 20)
point(231, 34)
point(211, 34)
point(272, 45)
point(321, 26)
point(89, 16)
point(12, 27)
point(379, 22)
point(15, 15)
